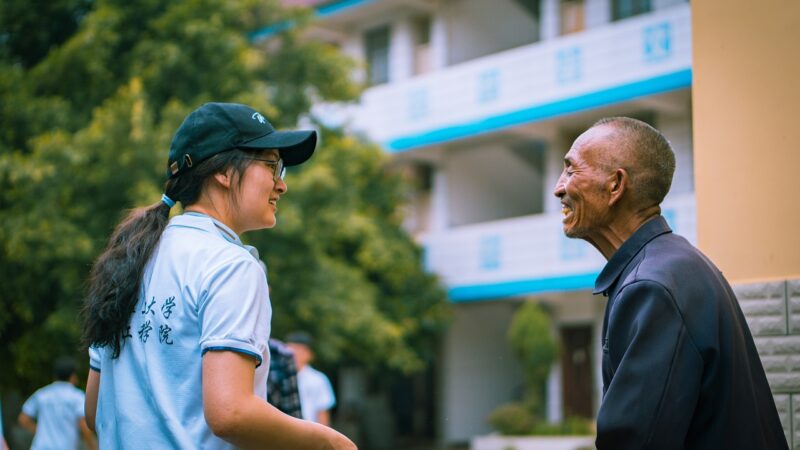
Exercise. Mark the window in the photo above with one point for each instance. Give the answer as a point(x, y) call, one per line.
point(377, 52)
point(622, 9)
point(572, 16)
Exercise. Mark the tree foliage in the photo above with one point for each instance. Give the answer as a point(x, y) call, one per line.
point(86, 116)
point(531, 337)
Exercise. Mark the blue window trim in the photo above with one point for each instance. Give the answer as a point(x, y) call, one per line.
point(656, 85)
point(234, 349)
point(494, 291)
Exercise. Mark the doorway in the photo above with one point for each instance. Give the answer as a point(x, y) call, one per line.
point(576, 371)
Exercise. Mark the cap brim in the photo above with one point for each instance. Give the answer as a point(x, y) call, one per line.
point(295, 147)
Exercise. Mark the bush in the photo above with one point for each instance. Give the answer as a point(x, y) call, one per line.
point(512, 419)
point(571, 426)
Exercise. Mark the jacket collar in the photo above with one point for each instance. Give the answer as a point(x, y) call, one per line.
point(625, 253)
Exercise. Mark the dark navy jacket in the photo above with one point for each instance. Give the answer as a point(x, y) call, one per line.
point(680, 369)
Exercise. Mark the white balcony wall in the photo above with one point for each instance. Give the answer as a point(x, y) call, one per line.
point(463, 99)
point(518, 253)
point(479, 27)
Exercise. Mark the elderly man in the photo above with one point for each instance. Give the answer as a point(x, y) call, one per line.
point(680, 370)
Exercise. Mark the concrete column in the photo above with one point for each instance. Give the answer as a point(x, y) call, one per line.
point(549, 20)
point(438, 41)
point(744, 97)
point(401, 51)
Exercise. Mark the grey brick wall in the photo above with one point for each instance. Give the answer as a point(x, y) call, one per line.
point(772, 311)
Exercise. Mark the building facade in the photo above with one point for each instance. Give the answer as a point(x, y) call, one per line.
point(479, 101)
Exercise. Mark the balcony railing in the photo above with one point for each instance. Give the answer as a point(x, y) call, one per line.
point(526, 255)
point(640, 56)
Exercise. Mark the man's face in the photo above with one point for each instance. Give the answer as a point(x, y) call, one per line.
point(302, 354)
point(583, 185)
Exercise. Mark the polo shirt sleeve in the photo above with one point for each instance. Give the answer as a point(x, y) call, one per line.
point(94, 359)
point(235, 312)
point(656, 369)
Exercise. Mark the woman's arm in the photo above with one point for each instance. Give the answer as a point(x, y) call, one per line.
point(237, 415)
point(90, 405)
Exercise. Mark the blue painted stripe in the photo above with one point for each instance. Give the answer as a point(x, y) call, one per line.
point(264, 33)
point(321, 12)
point(234, 349)
point(524, 287)
point(617, 94)
point(337, 7)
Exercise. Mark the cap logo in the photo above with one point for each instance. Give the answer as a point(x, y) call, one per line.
point(259, 118)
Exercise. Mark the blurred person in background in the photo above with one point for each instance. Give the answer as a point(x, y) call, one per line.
point(177, 316)
point(680, 368)
point(54, 413)
point(282, 389)
point(316, 393)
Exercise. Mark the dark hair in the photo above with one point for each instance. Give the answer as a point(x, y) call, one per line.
point(116, 277)
point(648, 156)
point(63, 368)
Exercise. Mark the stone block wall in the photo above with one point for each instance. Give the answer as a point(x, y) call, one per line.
point(772, 310)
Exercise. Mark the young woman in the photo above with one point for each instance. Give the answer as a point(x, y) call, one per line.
point(177, 314)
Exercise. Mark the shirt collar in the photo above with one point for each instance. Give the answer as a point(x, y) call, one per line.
point(207, 223)
point(620, 259)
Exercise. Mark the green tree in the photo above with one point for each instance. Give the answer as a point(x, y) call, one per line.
point(84, 130)
point(531, 337)
point(341, 266)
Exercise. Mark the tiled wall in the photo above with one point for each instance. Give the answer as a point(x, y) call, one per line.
point(773, 313)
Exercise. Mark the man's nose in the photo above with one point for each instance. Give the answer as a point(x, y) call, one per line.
point(559, 191)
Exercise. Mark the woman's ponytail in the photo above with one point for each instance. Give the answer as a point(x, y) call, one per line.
point(116, 277)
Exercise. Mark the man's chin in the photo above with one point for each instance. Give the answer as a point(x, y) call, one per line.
point(573, 233)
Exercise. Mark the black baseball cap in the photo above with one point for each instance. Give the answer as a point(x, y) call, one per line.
point(217, 127)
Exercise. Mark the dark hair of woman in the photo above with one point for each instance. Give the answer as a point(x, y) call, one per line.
point(116, 277)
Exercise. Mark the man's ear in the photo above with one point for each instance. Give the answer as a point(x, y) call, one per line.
point(617, 185)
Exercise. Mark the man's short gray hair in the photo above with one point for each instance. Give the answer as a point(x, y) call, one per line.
point(648, 157)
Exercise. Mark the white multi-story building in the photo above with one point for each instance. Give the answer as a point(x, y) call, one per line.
point(480, 100)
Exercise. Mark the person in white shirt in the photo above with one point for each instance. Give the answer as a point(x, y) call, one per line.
point(177, 316)
point(54, 413)
point(316, 394)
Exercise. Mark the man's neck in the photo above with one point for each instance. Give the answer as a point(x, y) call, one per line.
point(609, 239)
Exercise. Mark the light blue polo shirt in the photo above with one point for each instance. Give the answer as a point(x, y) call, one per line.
point(202, 291)
point(57, 408)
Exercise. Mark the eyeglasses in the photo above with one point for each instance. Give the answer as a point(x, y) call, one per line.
point(278, 169)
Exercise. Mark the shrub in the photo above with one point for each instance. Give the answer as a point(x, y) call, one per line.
point(512, 419)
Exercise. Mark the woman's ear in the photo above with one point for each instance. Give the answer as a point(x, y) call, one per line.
point(224, 178)
point(617, 184)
